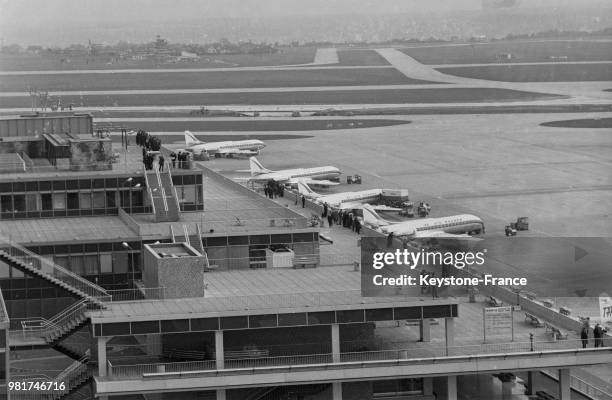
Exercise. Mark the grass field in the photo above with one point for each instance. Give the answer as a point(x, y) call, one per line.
point(261, 125)
point(581, 123)
point(535, 73)
point(484, 109)
point(525, 51)
point(208, 80)
point(44, 61)
point(360, 57)
point(396, 96)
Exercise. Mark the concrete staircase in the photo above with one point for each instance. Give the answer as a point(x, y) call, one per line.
point(162, 195)
point(55, 330)
point(33, 264)
point(171, 195)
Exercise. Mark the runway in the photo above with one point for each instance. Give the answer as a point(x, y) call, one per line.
point(416, 70)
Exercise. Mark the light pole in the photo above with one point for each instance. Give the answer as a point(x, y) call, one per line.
point(135, 186)
point(127, 246)
point(128, 180)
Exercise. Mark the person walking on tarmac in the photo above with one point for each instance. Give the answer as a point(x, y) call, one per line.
point(161, 163)
point(173, 159)
point(330, 220)
point(303, 201)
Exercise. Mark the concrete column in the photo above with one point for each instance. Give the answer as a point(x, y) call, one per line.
point(219, 356)
point(564, 384)
point(102, 364)
point(507, 389)
point(451, 387)
point(449, 329)
point(335, 339)
point(337, 390)
point(531, 382)
point(424, 327)
point(221, 393)
point(428, 386)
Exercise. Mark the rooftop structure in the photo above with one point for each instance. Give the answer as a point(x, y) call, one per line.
point(182, 280)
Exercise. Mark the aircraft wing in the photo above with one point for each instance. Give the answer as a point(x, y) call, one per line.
point(349, 205)
point(382, 207)
point(233, 151)
point(313, 182)
point(445, 235)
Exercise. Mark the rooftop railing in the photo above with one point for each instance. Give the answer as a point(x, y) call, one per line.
point(293, 300)
point(234, 224)
point(583, 386)
point(136, 294)
point(430, 354)
point(28, 167)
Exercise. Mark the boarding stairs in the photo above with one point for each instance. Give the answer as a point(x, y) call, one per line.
point(171, 194)
point(162, 194)
point(33, 264)
point(194, 239)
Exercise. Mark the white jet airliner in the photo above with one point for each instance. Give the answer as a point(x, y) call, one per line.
point(463, 226)
point(245, 148)
point(345, 200)
point(316, 175)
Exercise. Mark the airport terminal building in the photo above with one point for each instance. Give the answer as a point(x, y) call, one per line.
point(183, 284)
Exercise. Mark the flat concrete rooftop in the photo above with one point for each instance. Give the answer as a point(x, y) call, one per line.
point(60, 230)
point(263, 291)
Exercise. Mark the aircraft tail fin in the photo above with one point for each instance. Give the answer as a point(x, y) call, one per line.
point(190, 139)
point(371, 217)
point(305, 190)
point(256, 167)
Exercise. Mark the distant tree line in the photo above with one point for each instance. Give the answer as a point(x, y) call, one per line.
point(224, 46)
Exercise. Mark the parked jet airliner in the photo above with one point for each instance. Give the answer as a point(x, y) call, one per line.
point(451, 227)
point(344, 200)
point(227, 149)
point(316, 175)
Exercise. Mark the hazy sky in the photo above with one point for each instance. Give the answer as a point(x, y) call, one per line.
point(92, 11)
point(75, 21)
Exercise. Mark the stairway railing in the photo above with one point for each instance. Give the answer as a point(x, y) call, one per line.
point(51, 269)
point(199, 233)
point(173, 191)
point(75, 369)
point(162, 190)
point(41, 327)
point(186, 233)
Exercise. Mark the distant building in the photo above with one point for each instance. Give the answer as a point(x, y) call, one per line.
point(189, 56)
point(504, 56)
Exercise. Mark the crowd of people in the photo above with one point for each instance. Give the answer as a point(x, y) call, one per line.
point(273, 189)
point(346, 218)
point(598, 334)
point(182, 157)
point(149, 158)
